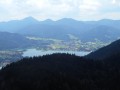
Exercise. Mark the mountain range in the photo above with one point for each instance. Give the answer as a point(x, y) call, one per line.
point(104, 30)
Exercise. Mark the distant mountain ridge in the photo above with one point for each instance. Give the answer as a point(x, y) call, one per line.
point(14, 25)
point(104, 30)
point(102, 33)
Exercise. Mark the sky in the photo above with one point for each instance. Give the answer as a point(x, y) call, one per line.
point(57, 9)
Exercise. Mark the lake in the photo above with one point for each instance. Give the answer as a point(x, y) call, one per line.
point(34, 52)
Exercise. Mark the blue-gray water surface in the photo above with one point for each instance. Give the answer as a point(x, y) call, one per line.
point(34, 52)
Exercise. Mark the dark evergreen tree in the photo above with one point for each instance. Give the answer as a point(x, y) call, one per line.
point(62, 72)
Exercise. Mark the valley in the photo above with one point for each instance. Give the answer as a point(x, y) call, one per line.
point(62, 35)
point(73, 44)
point(49, 45)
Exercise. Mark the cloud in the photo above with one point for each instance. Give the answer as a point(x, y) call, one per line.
point(56, 9)
point(113, 2)
point(89, 7)
point(116, 2)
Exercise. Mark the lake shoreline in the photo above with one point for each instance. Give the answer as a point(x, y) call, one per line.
point(36, 52)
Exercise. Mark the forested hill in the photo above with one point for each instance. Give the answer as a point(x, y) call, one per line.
point(61, 72)
point(105, 52)
point(13, 41)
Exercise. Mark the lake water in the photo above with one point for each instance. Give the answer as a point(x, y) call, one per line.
point(34, 52)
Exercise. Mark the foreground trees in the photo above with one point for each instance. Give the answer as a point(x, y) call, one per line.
point(62, 72)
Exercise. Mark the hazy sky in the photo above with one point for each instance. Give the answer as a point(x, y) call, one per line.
point(57, 9)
